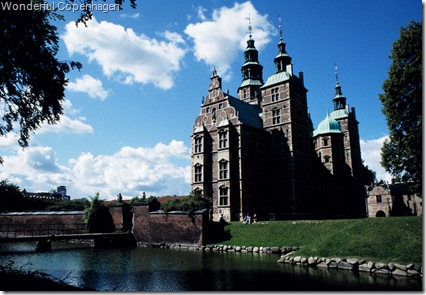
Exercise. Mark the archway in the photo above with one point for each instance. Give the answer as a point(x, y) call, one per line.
point(380, 214)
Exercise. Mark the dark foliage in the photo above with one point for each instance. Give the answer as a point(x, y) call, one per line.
point(97, 217)
point(32, 80)
point(402, 105)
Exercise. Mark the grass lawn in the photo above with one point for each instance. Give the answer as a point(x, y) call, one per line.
point(387, 239)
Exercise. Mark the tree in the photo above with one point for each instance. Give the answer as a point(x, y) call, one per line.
point(153, 203)
point(11, 197)
point(32, 79)
point(402, 105)
point(97, 216)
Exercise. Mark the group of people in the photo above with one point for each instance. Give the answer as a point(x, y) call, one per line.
point(247, 219)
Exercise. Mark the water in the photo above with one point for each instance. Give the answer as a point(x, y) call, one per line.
point(154, 269)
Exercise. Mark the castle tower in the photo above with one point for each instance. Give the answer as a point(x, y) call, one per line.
point(286, 118)
point(251, 72)
point(328, 144)
point(347, 118)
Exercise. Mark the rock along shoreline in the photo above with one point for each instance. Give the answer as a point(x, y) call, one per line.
point(351, 264)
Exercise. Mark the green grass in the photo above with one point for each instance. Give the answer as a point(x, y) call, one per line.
point(390, 239)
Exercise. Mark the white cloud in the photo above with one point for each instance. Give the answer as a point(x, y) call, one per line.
point(126, 56)
point(35, 166)
point(66, 123)
point(134, 15)
point(91, 86)
point(132, 171)
point(371, 154)
point(157, 170)
point(219, 41)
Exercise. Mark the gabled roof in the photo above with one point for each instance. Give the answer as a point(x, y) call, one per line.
point(339, 114)
point(277, 78)
point(247, 113)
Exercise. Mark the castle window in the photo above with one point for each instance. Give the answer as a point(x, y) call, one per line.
point(220, 106)
point(275, 96)
point(198, 144)
point(198, 192)
point(198, 173)
point(223, 169)
point(378, 199)
point(245, 93)
point(223, 139)
point(223, 196)
point(325, 141)
point(214, 114)
point(327, 159)
point(276, 118)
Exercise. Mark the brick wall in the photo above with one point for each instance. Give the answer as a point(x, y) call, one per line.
point(26, 223)
point(172, 228)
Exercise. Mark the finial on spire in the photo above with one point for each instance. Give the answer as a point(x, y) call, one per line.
point(214, 72)
point(280, 26)
point(335, 72)
point(249, 20)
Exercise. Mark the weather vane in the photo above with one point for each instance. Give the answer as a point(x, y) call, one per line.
point(281, 30)
point(249, 20)
point(335, 71)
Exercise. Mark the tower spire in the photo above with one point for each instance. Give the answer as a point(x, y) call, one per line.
point(339, 100)
point(282, 59)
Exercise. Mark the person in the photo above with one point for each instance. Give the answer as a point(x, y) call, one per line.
point(222, 219)
point(247, 219)
point(254, 218)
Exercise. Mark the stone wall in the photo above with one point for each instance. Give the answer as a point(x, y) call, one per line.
point(159, 229)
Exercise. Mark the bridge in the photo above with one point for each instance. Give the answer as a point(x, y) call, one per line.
point(44, 234)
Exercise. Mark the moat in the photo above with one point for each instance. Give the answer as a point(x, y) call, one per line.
point(155, 269)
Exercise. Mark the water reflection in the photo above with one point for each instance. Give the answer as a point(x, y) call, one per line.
point(150, 269)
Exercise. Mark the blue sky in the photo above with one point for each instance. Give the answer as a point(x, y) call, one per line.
point(129, 112)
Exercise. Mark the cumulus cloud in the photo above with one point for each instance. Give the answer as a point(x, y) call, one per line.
point(91, 86)
point(160, 170)
point(218, 41)
point(132, 171)
point(126, 56)
point(67, 123)
point(370, 150)
point(37, 166)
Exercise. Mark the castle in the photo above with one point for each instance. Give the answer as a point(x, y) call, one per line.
point(259, 153)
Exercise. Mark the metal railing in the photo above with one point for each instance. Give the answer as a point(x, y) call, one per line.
point(34, 230)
